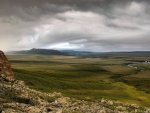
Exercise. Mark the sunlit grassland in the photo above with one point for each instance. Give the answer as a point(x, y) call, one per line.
point(84, 78)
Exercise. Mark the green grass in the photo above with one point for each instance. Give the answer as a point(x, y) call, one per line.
point(84, 78)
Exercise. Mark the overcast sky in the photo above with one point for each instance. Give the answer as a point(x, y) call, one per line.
point(93, 25)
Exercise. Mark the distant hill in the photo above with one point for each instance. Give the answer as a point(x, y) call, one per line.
point(52, 52)
point(38, 51)
point(83, 53)
point(77, 53)
point(125, 54)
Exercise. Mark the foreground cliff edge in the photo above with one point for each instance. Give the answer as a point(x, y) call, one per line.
point(16, 97)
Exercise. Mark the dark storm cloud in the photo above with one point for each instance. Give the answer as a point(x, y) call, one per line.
point(98, 25)
point(39, 7)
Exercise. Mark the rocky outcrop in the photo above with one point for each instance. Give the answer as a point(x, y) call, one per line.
point(6, 72)
point(18, 98)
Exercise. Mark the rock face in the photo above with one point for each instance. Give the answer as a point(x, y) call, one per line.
point(6, 72)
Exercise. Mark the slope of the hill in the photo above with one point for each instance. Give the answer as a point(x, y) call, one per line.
point(16, 97)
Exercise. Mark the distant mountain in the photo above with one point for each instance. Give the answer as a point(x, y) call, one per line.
point(77, 53)
point(52, 52)
point(38, 51)
point(83, 53)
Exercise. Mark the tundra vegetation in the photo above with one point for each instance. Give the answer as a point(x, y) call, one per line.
point(126, 79)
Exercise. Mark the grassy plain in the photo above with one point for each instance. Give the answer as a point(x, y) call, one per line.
point(86, 78)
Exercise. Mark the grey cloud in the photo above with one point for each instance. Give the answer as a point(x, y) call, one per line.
point(89, 24)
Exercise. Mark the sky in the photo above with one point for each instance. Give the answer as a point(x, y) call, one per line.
point(89, 25)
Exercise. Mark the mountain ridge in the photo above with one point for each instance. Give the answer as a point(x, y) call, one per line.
point(80, 53)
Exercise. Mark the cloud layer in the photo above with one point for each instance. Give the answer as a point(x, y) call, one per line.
point(95, 25)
